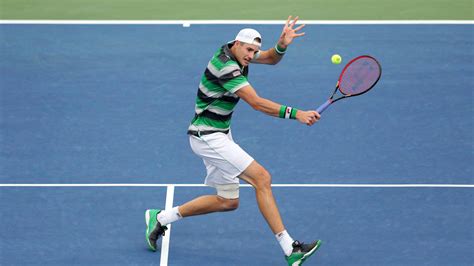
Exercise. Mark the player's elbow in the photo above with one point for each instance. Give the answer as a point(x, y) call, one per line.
point(271, 61)
point(250, 96)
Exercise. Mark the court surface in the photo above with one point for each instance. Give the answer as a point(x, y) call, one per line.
point(110, 104)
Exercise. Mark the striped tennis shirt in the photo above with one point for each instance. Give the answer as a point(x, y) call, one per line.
point(216, 96)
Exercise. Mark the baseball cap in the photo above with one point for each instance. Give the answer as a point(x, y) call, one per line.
point(248, 36)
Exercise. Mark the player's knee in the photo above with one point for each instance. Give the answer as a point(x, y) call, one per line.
point(264, 180)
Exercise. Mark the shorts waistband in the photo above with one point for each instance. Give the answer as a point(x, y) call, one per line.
point(207, 132)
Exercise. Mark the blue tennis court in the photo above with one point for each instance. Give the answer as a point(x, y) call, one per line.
point(110, 104)
point(360, 226)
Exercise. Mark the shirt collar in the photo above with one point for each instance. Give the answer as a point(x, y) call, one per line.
point(226, 48)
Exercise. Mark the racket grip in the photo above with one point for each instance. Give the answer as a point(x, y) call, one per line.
point(323, 106)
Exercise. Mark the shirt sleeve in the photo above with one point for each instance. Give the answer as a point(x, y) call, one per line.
point(233, 81)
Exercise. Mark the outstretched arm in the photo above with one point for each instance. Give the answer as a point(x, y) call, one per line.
point(249, 95)
point(273, 55)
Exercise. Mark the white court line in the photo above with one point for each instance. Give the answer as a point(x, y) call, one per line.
point(239, 22)
point(246, 185)
point(165, 242)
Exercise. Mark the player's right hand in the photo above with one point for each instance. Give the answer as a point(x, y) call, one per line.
point(307, 117)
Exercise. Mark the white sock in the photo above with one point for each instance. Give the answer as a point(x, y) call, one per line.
point(285, 241)
point(168, 216)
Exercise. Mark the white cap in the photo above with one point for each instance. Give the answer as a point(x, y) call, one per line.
point(248, 36)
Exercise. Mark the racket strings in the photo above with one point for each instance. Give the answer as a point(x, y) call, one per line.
point(359, 76)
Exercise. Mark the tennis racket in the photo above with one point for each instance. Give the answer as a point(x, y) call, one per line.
point(358, 77)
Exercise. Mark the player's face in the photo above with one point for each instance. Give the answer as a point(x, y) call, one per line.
point(245, 52)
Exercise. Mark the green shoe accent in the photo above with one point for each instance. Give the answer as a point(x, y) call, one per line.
point(152, 232)
point(298, 257)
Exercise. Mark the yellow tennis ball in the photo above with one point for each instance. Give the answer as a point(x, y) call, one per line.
point(336, 59)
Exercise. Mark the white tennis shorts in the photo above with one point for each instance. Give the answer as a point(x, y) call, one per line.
point(224, 159)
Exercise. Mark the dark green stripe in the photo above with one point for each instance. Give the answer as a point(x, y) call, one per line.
point(203, 98)
point(225, 104)
point(200, 120)
point(211, 86)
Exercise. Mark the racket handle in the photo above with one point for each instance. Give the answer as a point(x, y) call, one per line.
point(323, 106)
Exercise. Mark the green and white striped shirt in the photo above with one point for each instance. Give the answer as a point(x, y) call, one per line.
point(216, 96)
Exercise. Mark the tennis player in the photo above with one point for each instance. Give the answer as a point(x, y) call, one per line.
point(225, 82)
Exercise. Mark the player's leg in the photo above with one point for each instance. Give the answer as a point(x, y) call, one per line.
point(226, 198)
point(295, 252)
point(261, 180)
point(157, 220)
point(207, 204)
point(220, 156)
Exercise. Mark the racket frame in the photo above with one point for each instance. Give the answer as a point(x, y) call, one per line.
point(331, 99)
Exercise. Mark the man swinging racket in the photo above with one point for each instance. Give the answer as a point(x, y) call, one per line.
point(225, 82)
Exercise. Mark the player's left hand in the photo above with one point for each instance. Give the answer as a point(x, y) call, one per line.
point(289, 32)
